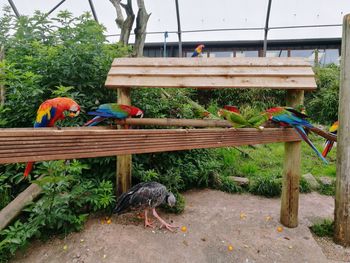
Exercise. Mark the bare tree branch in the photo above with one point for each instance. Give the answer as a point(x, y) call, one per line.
point(125, 25)
point(120, 18)
point(140, 30)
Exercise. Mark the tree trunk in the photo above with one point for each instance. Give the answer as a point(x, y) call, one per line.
point(342, 191)
point(125, 25)
point(140, 30)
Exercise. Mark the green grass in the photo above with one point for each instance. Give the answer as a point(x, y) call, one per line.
point(263, 165)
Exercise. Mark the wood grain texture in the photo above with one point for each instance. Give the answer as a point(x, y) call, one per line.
point(89, 142)
point(124, 162)
point(291, 171)
point(342, 193)
point(212, 73)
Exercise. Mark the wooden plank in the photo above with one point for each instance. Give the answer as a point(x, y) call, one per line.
point(204, 62)
point(342, 193)
point(291, 171)
point(210, 71)
point(121, 142)
point(271, 82)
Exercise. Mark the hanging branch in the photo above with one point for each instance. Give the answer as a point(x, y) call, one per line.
point(125, 25)
point(140, 30)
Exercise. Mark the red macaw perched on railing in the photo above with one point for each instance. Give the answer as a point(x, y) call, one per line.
point(113, 110)
point(287, 116)
point(329, 144)
point(198, 51)
point(51, 111)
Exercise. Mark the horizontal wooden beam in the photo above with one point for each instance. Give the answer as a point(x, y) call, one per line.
point(212, 73)
point(29, 144)
point(200, 123)
point(209, 62)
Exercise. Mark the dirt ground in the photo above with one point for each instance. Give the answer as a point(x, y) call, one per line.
point(214, 221)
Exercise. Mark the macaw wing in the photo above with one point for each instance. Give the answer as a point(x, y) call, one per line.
point(101, 114)
point(44, 116)
point(257, 121)
point(291, 120)
point(109, 113)
point(297, 113)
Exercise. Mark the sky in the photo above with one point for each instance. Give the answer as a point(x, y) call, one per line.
point(218, 14)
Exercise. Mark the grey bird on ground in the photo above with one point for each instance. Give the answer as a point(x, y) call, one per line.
point(145, 196)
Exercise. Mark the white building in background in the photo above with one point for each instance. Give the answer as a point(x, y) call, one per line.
point(202, 21)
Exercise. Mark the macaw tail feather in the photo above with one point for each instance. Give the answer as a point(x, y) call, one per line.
point(306, 139)
point(28, 169)
point(327, 148)
point(94, 121)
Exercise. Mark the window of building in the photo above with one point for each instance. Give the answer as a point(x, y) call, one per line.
point(276, 53)
point(248, 53)
point(221, 54)
point(329, 56)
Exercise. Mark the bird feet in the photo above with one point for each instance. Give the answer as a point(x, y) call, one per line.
point(169, 227)
point(149, 224)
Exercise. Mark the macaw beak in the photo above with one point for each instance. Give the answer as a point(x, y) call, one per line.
point(73, 114)
point(219, 113)
point(140, 113)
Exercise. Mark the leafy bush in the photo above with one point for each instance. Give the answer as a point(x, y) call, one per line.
point(225, 184)
point(324, 228)
point(67, 197)
point(269, 186)
point(179, 206)
point(304, 186)
point(322, 105)
point(327, 189)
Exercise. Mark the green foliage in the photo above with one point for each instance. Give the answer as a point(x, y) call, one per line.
point(70, 59)
point(67, 197)
point(324, 228)
point(327, 189)
point(5, 191)
point(179, 206)
point(304, 186)
point(269, 186)
point(322, 105)
point(177, 171)
point(225, 184)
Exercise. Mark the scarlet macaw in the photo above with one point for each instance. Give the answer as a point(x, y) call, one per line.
point(113, 110)
point(51, 111)
point(287, 116)
point(198, 51)
point(329, 144)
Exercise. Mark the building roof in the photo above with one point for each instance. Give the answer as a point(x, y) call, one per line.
point(203, 15)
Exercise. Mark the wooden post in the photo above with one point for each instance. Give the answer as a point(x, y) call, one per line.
point(291, 171)
point(342, 193)
point(123, 161)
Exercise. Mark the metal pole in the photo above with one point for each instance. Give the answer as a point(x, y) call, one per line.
point(93, 10)
point(14, 8)
point(178, 27)
point(266, 29)
point(164, 47)
point(56, 6)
